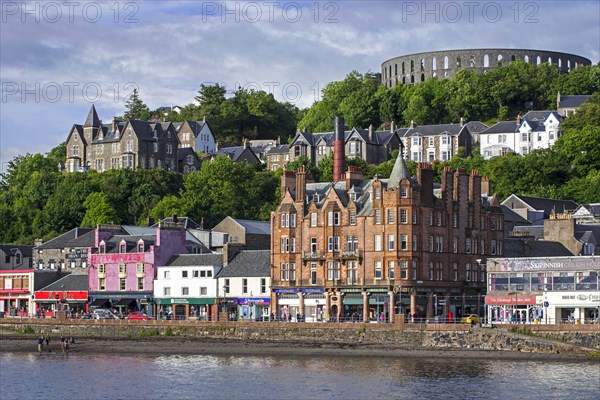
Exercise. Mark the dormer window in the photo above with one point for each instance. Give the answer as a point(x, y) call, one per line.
point(122, 247)
point(140, 247)
point(117, 134)
point(102, 248)
point(403, 192)
point(101, 135)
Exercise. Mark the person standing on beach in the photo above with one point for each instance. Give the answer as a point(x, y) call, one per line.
point(40, 343)
point(47, 341)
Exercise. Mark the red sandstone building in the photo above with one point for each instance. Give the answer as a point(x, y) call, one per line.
point(369, 249)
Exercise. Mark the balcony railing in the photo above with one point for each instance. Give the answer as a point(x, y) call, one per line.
point(313, 255)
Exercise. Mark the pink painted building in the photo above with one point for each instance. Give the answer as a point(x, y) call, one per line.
point(123, 266)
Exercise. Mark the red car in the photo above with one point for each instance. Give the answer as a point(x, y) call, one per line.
point(138, 316)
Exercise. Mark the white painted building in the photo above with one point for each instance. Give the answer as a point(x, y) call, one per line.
point(536, 130)
point(549, 290)
point(244, 286)
point(187, 286)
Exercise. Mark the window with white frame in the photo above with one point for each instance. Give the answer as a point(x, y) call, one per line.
point(377, 270)
point(378, 216)
point(333, 270)
point(468, 272)
point(391, 216)
point(352, 217)
point(468, 245)
point(455, 272)
point(185, 291)
point(430, 270)
point(455, 245)
point(440, 244)
point(263, 285)
point(403, 216)
point(391, 269)
point(391, 242)
point(414, 217)
point(313, 219)
point(403, 242)
point(244, 285)
point(377, 242)
point(330, 244)
point(166, 291)
point(414, 243)
point(431, 244)
point(439, 271)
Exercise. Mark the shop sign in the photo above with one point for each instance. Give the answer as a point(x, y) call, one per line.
point(285, 290)
point(180, 301)
point(313, 290)
point(254, 300)
point(510, 300)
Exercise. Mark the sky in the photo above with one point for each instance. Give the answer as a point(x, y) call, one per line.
point(57, 58)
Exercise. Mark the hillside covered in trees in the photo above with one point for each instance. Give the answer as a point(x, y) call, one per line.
point(36, 200)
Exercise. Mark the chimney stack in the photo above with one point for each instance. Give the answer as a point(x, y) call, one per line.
point(245, 143)
point(412, 124)
point(371, 134)
point(393, 126)
point(338, 149)
point(462, 121)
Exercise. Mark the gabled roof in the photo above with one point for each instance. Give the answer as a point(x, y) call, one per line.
point(190, 260)
point(248, 263)
point(436, 130)
point(573, 101)
point(71, 282)
point(255, 227)
point(529, 247)
point(281, 149)
point(64, 240)
point(11, 249)
point(538, 203)
point(501, 127)
point(511, 216)
point(183, 152)
point(476, 126)
point(235, 153)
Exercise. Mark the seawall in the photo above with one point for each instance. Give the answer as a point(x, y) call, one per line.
point(547, 339)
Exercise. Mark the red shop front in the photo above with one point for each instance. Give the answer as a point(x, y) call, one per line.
point(51, 301)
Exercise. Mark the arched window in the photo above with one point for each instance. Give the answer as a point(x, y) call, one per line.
point(526, 58)
point(549, 60)
point(500, 60)
point(568, 64)
point(458, 62)
point(486, 61)
point(539, 60)
point(513, 58)
point(412, 79)
point(434, 64)
point(422, 64)
point(403, 69)
point(422, 77)
point(412, 66)
point(472, 62)
point(559, 63)
point(395, 69)
point(404, 80)
point(446, 62)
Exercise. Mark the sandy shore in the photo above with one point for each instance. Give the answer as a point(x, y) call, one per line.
point(191, 346)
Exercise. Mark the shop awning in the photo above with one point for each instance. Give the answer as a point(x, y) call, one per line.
point(125, 302)
point(99, 303)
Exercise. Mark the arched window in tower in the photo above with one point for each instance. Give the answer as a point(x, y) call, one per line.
point(422, 77)
point(539, 60)
point(403, 69)
point(412, 66)
point(472, 62)
point(526, 58)
point(513, 58)
point(434, 63)
point(549, 60)
point(458, 62)
point(395, 69)
point(559, 63)
point(500, 60)
point(568, 64)
point(486, 61)
point(422, 64)
point(446, 62)
point(412, 79)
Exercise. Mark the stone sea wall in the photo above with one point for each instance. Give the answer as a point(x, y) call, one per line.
point(556, 339)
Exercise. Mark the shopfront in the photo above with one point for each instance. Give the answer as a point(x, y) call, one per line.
point(514, 309)
point(573, 307)
point(122, 302)
point(72, 301)
point(254, 308)
point(353, 304)
point(288, 304)
point(15, 293)
point(379, 306)
point(314, 305)
point(204, 309)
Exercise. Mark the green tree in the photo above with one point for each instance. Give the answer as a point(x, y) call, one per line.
point(136, 108)
point(98, 210)
point(166, 207)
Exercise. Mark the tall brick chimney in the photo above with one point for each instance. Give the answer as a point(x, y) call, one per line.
point(338, 149)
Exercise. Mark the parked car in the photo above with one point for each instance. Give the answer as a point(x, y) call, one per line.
point(102, 313)
point(470, 319)
point(138, 315)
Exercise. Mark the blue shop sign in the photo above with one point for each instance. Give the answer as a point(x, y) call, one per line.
point(255, 300)
point(286, 290)
point(312, 290)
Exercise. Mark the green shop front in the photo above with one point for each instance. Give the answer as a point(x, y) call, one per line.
point(204, 309)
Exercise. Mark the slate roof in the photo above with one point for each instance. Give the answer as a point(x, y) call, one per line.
point(501, 127)
point(511, 216)
point(435, 130)
point(281, 149)
point(195, 126)
point(248, 263)
point(235, 152)
point(92, 119)
point(539, 203)
point(188, 223)
point(189, 260)
point(519, 247)
point(255, 227)
point(399, 172)
point(71, 282)
point(64, 240)
point(536, 119)
point(588, 233)
point(183, 152)
point(476, 126)
point(573, 101)
point(537, 231)
point(25, 249)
